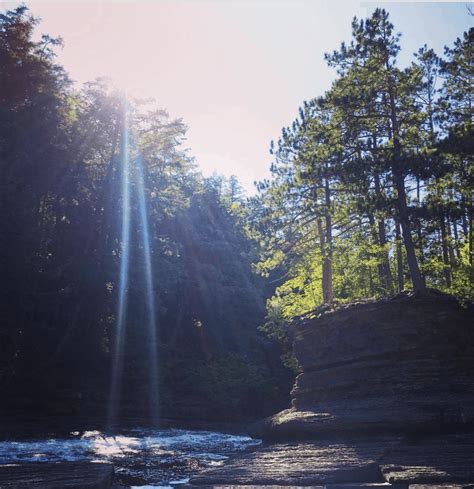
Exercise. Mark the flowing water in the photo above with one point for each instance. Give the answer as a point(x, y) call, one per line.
point(141, 457)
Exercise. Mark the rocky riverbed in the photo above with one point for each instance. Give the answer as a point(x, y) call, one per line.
point(139, 456)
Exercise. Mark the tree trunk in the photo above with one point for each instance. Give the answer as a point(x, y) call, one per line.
point(444, 247)
point(399, 182)
point(464, 218)
point(419, 230)
point(456, 239)
point(329, 243)
point(375, 231)
point(371, 282)
point(386, 277)
point(326, 266)
point(398, 244)
point(415, 274)
point(450, 243)
point(385, 273)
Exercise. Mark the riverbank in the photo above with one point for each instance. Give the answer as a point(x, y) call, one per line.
point(384, 461)
point(385, 397)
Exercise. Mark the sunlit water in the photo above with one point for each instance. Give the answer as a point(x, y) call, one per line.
point(141, 457)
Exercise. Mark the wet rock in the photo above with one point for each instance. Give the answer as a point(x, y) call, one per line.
point(441, 486)
point(63, 475)
point(373, 463)
point(360, 485)
point(443, 459)
point(299, 464)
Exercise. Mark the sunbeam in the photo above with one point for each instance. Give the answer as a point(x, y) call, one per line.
point(133, 173)
point(117, 364)
point(151, 322)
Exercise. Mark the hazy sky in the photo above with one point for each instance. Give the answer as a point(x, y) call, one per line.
point(236, 71)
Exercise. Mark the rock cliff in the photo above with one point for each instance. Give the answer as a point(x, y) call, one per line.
point(400, 365)
point(385, 400)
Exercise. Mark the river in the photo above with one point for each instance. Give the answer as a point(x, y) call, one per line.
point(141, 457)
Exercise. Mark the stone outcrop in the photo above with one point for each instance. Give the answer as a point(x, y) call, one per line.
point(385, 399)
point(401, 365)
point(390, 462)
point(299, 464)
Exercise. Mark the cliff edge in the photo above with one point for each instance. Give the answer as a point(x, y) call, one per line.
point(396, 366)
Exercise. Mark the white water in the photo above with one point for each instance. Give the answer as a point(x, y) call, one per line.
point(140, 456)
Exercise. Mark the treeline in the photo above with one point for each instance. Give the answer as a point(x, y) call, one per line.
point(372, 185)
point(372, 194)
point(61, 208)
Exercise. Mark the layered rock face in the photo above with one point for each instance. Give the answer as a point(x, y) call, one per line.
point(401, 365)
point(385, 400)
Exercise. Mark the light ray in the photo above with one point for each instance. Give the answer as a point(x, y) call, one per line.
point(152, 344)
point(117, 364)
point(151, 323)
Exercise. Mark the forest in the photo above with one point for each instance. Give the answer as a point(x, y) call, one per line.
point(371, 195)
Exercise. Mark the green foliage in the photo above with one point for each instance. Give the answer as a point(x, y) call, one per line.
point(371, 188)
point(60, 247)
point(233, 384)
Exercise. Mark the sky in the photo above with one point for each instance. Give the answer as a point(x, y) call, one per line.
point(235, 71)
